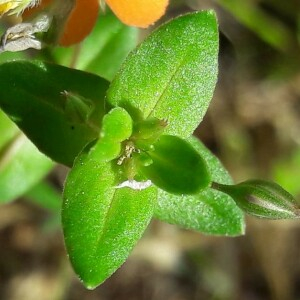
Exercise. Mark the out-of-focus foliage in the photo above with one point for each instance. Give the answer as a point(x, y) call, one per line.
point(103, 51)
point(286, 171)
point(21, 164)
point(264, 34)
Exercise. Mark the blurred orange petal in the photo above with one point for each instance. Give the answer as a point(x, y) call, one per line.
point(80, 22)
point(139, 13)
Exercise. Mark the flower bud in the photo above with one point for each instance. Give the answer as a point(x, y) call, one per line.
point(262, 199)
point(77, 108)
point(147, 132)
point(150, 128)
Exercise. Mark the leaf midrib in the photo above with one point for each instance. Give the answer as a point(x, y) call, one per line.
point(165, 89)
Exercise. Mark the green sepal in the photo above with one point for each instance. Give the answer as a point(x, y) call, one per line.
point(149, 128)
point(78, 109)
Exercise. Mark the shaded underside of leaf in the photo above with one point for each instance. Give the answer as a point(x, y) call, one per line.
point(32, 95)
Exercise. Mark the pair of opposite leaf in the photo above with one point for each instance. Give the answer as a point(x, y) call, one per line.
point(80, 18)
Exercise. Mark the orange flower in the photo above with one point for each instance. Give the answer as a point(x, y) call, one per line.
point(139, 13)
point(80, 22)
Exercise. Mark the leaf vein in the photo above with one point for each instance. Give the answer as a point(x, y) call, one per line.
point(177, 69)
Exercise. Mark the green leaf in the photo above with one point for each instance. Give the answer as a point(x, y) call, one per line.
point(21, 167)
point(103, 50)
point(176, 167)
point(172, 74)
point(209, 211)
point(46, 196)
point(101, 223)
point(46, 102)
point(8, 130)
point(10, 56)
point(286, 172)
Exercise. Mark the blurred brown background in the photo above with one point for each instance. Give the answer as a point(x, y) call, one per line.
point(253, 126)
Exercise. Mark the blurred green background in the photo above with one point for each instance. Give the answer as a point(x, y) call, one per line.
point(253, 126)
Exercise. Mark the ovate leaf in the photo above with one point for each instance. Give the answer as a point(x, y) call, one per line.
point(101, 223)
point(58, 108)
point(172, 74)
point(209, 211)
